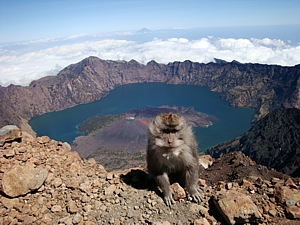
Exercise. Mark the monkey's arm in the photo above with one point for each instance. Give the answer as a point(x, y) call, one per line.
point(192, 176)
point(164, 184)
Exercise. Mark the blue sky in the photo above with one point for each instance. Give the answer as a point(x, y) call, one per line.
point(39, 37)
point(36, 19)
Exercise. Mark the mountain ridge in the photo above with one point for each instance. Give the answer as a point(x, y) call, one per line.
point(262, 87)
point(274, 141)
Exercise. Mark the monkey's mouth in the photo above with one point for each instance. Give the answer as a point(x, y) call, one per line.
point(170, 144)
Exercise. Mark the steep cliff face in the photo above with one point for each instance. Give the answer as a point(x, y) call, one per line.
point(263, 87)
point(274, 141)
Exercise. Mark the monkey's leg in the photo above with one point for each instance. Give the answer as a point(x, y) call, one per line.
point(164, 183)
point(191, 184)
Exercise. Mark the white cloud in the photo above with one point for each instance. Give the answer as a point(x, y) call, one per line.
point(22, 66)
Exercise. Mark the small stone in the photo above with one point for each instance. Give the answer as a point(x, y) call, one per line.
point(205, 161)
point(110, 190)
point(275, 180)
point(229, 185)
point(43, 139)
point(9, 203)
point(103, 207)
point(85, 187)
point(201, 182)
point(110, 176)
point(56, 208)
point(77, 219)
point(179, 192)
point(57, 182)
point(72, 183)
point(9, 153)
point(87, 208)
point(273, 212)
point(201, 221)
point(289, 182)
point(72, 208)
point(249, 185)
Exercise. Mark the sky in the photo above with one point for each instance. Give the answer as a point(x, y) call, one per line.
point(40, 37)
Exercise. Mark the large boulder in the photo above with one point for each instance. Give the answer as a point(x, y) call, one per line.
point(21, 180)
point(236, 208)
point(9, 133)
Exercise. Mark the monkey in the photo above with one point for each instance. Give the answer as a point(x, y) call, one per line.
point(172, 156)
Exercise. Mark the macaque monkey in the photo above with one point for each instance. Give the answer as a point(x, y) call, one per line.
point(172, 156)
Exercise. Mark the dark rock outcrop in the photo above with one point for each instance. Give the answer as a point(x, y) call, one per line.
point(274, 141)
point(263, 87)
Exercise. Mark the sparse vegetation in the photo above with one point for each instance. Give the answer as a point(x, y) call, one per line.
point(96, 123)
point(118, 159)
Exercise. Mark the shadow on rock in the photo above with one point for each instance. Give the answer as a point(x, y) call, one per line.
point(140, 179)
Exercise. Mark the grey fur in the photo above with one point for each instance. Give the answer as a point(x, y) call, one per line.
point(172, 155)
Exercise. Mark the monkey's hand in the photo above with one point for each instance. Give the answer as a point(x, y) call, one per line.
point(197, 197)
point(168, 198)
point(195, 194)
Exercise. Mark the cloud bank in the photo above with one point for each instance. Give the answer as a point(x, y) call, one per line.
point(24, 63)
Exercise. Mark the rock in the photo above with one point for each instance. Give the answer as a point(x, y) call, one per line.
point(179, 192)
point(57, 182)
point(110, 190)
point(85, 187)
point(56, 208)
point(9, 133)
point(43, 139)
point(77, 219)
point(205, 161)
point(72, 208)
point(201, 221)
point(21, 180)
point(289, 182)
point(293, 212)
point(249, 185)
point(236, 207)
point(9, 203)
point(285, 194)
point(9, 153)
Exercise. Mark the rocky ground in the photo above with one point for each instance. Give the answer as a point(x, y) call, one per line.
point(44, 182)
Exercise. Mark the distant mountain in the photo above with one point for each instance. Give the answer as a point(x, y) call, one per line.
point(274, 141)
point(262, 87)
point(143, 31)
point(130, 133)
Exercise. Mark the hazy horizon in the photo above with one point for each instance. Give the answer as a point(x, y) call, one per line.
point(39, 38)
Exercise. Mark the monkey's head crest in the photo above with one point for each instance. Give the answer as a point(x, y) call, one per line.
point(169, 120)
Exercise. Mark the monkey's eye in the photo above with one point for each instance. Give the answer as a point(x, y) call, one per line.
point(168, 131)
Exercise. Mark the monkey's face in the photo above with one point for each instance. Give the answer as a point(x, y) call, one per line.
point(167, 129)
point(171, 138)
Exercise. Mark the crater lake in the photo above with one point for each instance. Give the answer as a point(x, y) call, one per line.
point(232, 121)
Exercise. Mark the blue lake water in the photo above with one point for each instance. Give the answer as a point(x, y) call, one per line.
point(232, 121)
